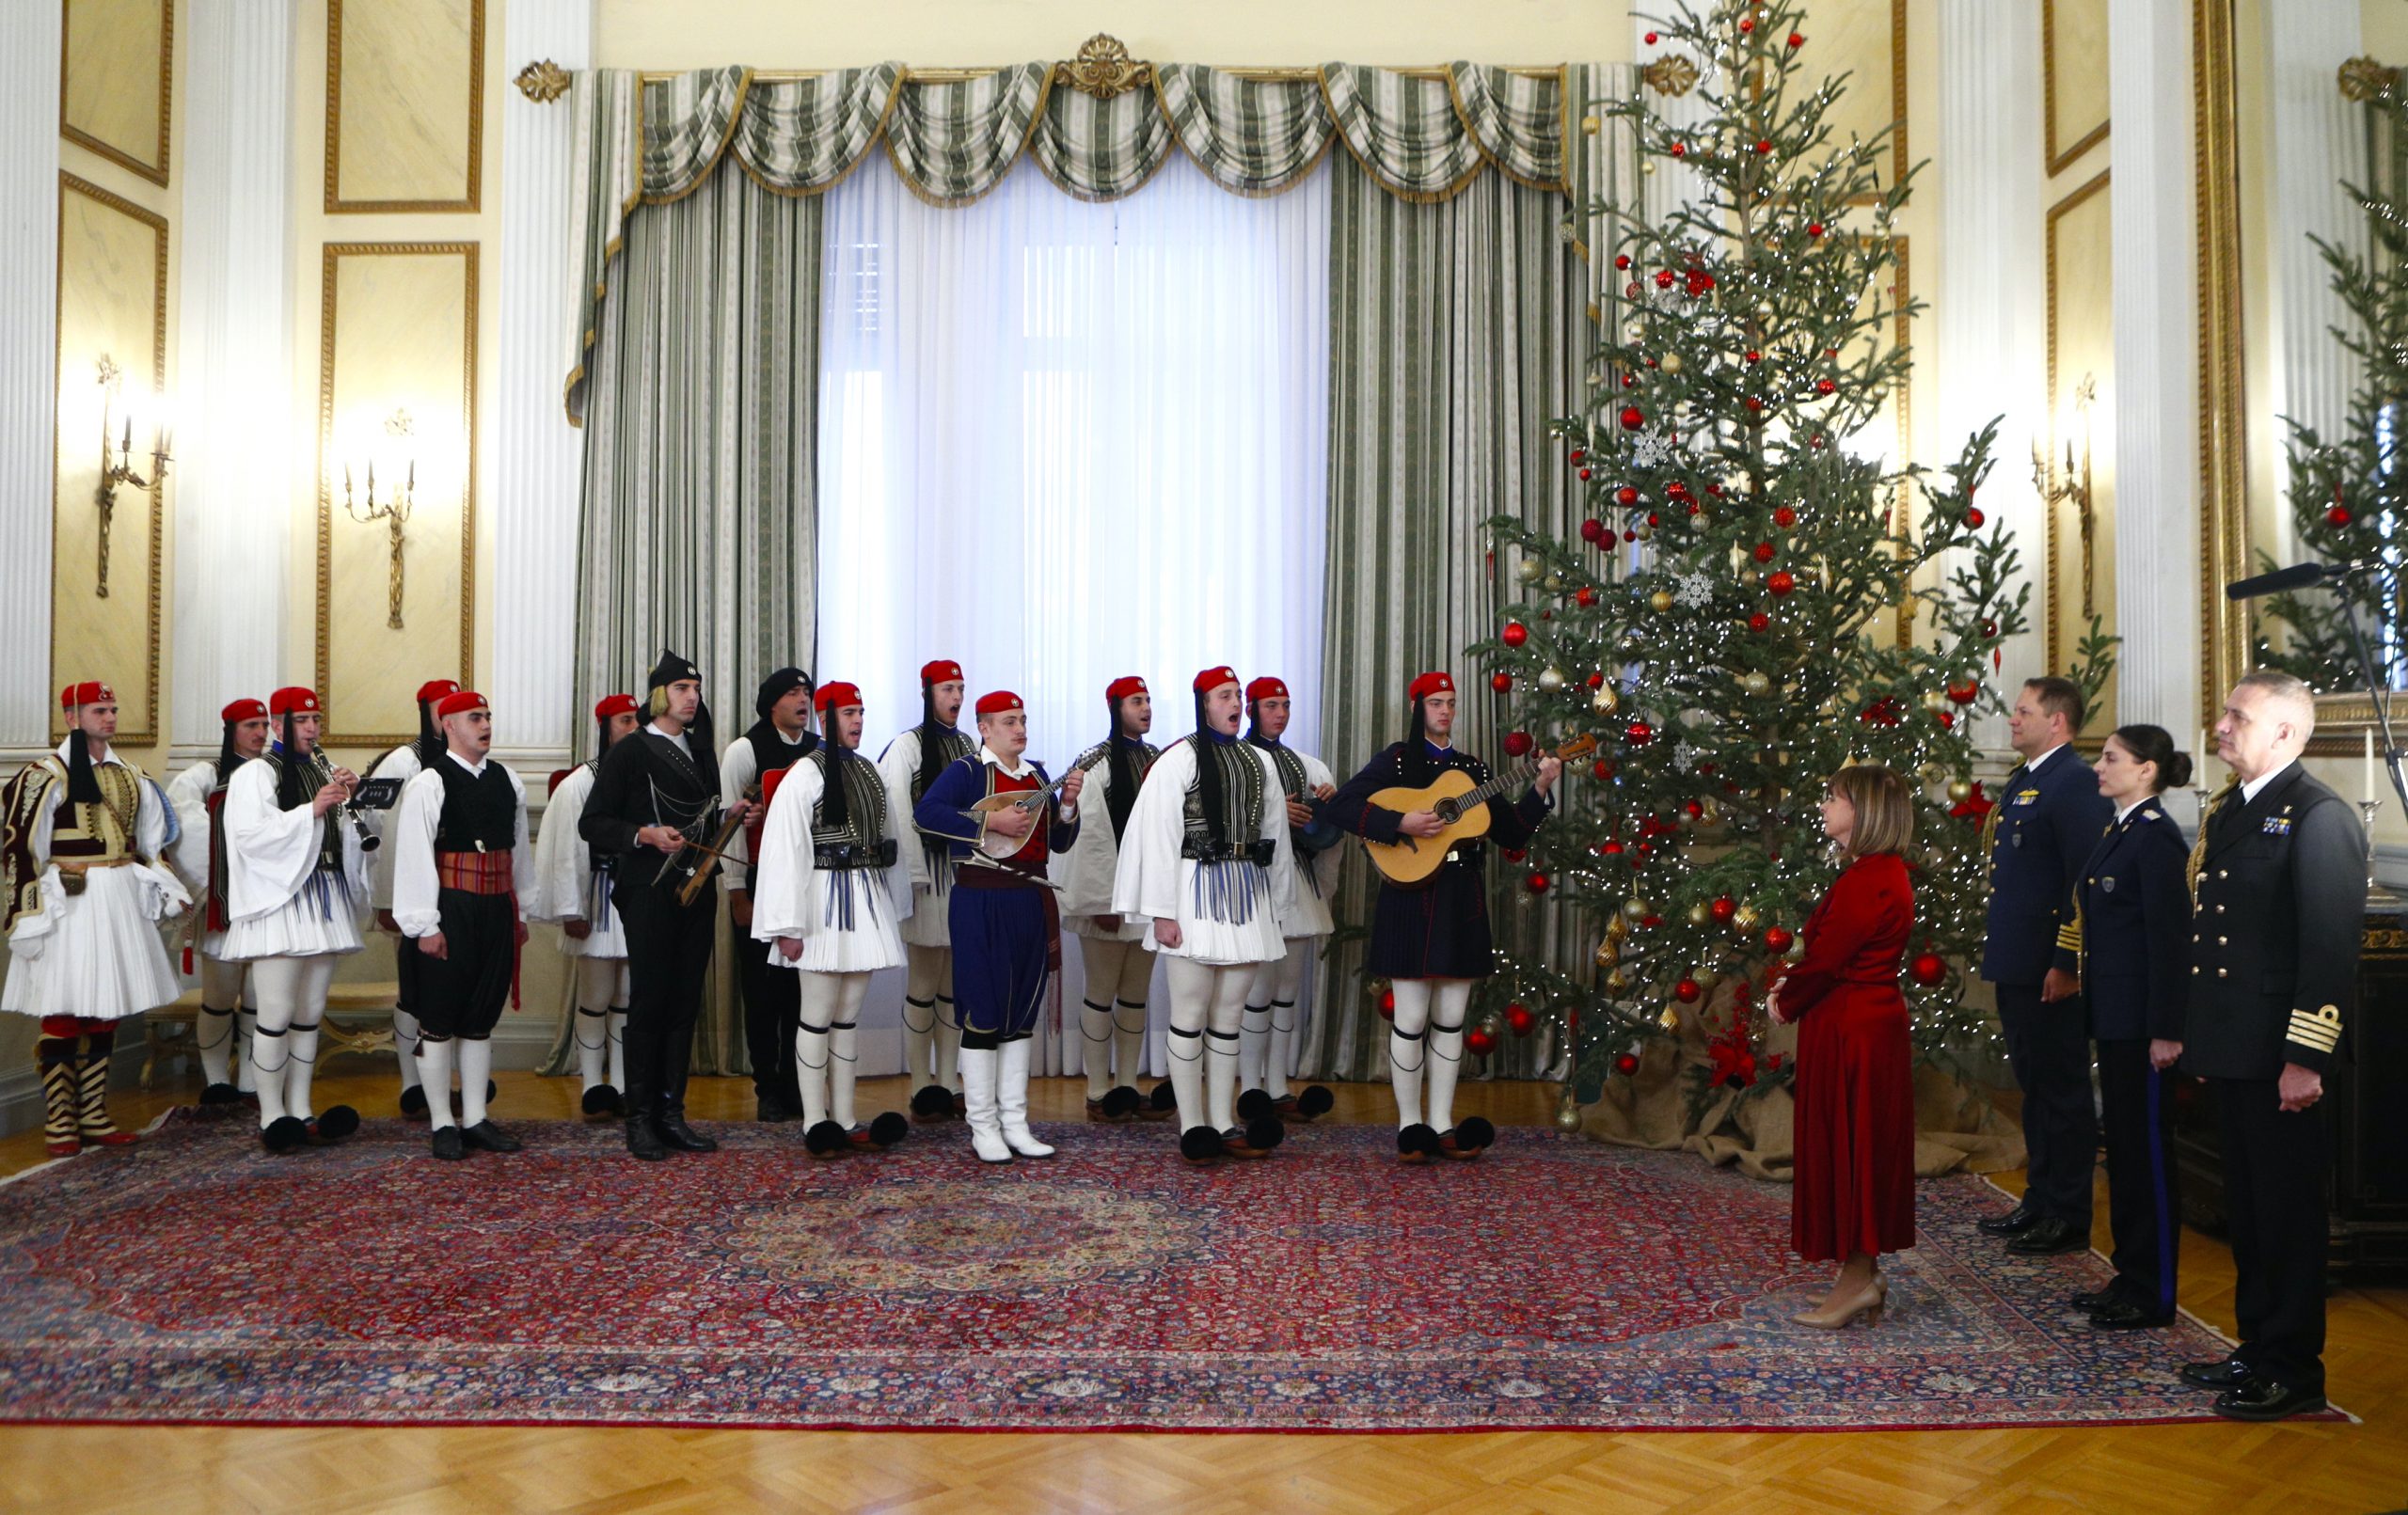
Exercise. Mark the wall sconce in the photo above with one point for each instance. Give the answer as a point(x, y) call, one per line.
point(121, 471)
point(2076, 488)
point(395, 511)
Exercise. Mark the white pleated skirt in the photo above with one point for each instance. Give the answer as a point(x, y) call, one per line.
point(929, 925)
point(322, 920)
point(1132, 928)
point(102, 957)
point(1224, 915)
point(873, 940)
point(608, 938)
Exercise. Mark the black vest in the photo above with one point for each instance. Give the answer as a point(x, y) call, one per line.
point(480, 814)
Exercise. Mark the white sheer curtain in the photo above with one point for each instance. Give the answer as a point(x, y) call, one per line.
point(1063, 441)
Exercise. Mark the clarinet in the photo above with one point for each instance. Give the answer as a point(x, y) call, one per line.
point(321, 773)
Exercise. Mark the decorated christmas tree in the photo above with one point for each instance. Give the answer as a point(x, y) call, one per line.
point(1728, 622)
point(2346, 492)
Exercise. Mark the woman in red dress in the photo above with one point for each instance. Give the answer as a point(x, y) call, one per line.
point(1854, 1197)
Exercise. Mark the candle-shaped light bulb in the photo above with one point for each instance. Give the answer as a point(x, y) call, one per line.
point(372, 481)
point(126, 447)
point(410, 484)
point(346, 480)
point(2367, 778)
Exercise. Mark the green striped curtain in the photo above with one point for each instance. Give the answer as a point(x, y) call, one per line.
point(1458, 331)
point(701, 462)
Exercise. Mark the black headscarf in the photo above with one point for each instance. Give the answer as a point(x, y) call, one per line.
point(770, 749)
point(1417, 764)
point(1122, 796)
point(292, 782)
point(672, 668)
point(430, 742)
point(834, 808)
point(229, 756)
point(83, 787)
point(931, 733)
point(1208, 775)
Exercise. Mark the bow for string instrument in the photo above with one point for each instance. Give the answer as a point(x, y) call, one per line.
point(697, 862)
point(1461, 809)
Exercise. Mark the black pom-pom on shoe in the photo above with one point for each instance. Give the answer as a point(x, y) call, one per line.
point(1164, 1097)
point(600, 1101)
point(221, 1093)
point(333, 1123)
point(492, 1092)
point(1254, 1105)
point(826, 1140)
point(1315, 1101)
point(1199, 1143)
point(932, 1101)
point(284, 1133)
point(1476, 1133)
point(1264, 1132)
point(889, 1128)
point(1120, 1102)
point(1417, 1144)
point(414, 1100)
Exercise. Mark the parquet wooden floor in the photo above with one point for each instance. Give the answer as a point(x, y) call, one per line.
point(2217, 1468)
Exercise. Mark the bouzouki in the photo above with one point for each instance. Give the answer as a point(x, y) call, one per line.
point(998, 847)
point(1461, 809)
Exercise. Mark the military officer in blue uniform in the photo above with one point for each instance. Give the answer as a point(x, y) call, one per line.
point(2128, 942)
point(2050, 813)
point(2278, 908)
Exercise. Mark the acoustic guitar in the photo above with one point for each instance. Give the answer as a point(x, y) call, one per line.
point(1461, 809)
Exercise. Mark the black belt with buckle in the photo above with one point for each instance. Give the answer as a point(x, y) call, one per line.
point(1259, 852)
point(853, 854)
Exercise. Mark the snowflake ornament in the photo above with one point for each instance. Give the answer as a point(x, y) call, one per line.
point(1693, 591)
point(1651, 450)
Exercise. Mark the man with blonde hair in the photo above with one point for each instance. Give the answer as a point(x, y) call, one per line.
point(2278, 904)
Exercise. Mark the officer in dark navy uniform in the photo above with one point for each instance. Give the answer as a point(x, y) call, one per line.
point(2050, 814)
point(2278, 889)
point(2128, 944)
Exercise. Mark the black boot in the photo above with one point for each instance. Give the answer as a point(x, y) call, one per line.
point(643, 1141)
point(671, 1122)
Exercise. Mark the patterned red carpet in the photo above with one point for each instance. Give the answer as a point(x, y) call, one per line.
point(1554, 1284)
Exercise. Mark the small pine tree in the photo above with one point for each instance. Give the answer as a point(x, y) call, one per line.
point(1724, 621)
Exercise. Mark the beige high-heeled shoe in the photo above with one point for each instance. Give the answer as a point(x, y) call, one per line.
point(1837, 1314)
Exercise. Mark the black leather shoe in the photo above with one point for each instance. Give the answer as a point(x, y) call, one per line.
point(449, 1145)
point(643, 1141)
point(485, 1134)
point(2093, 1301)
point(2265, 1399)
point(676, 1133)
point(2013, 1223)
point(2127, 1315)
point(2049, 1238)
point(2224, 1373)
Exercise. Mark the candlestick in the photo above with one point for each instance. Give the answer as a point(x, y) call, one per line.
point(2366, 781)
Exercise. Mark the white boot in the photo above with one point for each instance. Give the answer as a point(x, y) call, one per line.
point(1012, 1093)
point(979, 1069)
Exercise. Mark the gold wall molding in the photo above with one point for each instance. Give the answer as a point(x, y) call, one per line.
point(2053, 618)
point(75, 371)
point(155, 168)
point(1103, 68)
point(334, 202)
point(2224, 479)
point(331, 516)
point(2061, 155)
point(543, 81)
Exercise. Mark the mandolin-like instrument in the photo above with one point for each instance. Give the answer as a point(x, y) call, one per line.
point(1461, 807)
point(994, 844)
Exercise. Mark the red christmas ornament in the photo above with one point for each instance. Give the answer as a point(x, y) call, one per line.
point(1651, 39)
point(1964, 692)
point(1593, 530)
point(1632, 418)
point(1664, 278)
point(1797, 41)
point(1626, 1065)
point(1754, 356)
point(1814, 229)
point(1694, 810)
point(1947, 720)
point(1519, 1021)
point(1723, 909)
point(1653, 519)
point(1640, 732)
point(1500, 682)
point(1584, 476)
point(1601, 769)
point(1928, 968)
point(1517, 743)
point(1763, 552)
point(1537, 883)
point(1782, 515)
point(1763, 148)
point(1622, 261)
point(1387, 1005)
point(1649, 923)
point(1596, 681)
point(1973, 520)
point(1609, 849)
point(1579, 453)
point(1747, 23)
point(1780, 582)
point(1585, 596)
point(1515, 634)
point(1478, 1042)
point(1687, 991)
point(2338, 515)
point(1680, 150)
point(1824, 387)
point(1776, 938)
point(1625, 495)
point(1759, 621)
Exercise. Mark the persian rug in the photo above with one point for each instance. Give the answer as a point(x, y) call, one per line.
point(1554, 1284)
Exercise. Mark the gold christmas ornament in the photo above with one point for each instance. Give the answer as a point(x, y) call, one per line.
point(1567, 1116)
point(1635, 909)
point(1617, 984)
point(1959, 791)
point(1646, 533)
point(1529, 570)
point(1553, 583)
point(1698, 915)
point(1659, 602)
point(1755, 684)
point(1616, 927)
point(1607, 953)
point(1745, 918)
point(1670, 363)
point(1670, 1019)
point(1551, 679)
point(1603, 699)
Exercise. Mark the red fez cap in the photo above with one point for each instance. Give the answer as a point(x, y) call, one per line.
point(1121, 688)
point(1212, 678)
point(459, 700)
point(1440, 681)
point(243, 710)
point(1266, 688)
point(1003, 699)
point(89, 692)
point(836, 696)
point(436, 689)
point(614, 705)
point(293, 700)
point(944, 671)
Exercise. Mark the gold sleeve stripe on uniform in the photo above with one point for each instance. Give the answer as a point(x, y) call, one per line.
point(2321, 1030)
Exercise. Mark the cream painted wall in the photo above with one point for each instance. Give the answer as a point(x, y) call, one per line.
point(678, 34)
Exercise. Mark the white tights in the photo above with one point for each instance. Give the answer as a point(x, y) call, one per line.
point(1429, 1032)
point(1207, 1007)
point(1271, 1018)
point(826, 1047)
point(220, 1036)
point(292, 1001)
point(1112, 1017)
point(928, 1025)
point(600, 1024)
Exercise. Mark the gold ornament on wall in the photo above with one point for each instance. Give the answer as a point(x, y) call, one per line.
point(1671, 74)
point(2363, 79)
point(543, 81)
point(2076, 489)
point(394, 513)
point(1103, 68)
point(112, 383)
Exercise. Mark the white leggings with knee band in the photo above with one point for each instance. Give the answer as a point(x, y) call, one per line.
point(1427, 1035)
point(1271, 1018)
point(1207, 1011)
point(931, 1033)
point(826, 1048)
point(292, 994)
point(1112, 1013)
point(600, 1023)
point(225, 1026)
